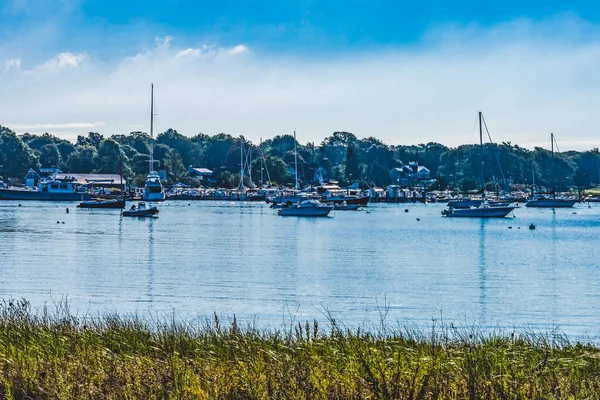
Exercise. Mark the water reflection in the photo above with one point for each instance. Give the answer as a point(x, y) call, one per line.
point(482, 273)
point(151, 258)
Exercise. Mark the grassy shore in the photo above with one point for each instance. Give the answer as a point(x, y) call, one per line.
point(55, 355)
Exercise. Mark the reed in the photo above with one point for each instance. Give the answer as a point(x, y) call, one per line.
point(52, 354)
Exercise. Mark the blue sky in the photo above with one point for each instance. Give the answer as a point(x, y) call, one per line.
point(303, 26)
point(403, 71)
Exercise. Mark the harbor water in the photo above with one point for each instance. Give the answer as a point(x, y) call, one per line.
point(411, 267)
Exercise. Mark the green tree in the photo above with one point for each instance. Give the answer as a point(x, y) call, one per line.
point(15, 156)
point(50, 156)
point(109, 157)
point(83, 159)
point(92, 139)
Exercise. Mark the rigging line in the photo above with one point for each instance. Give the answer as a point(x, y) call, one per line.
point(473, 129)
point(486, 129)
point(495, 152)
point(556, 144)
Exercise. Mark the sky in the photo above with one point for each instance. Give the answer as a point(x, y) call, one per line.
point(405, 72)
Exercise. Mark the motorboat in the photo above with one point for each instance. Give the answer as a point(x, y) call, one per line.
point(108, 203)
point(483, 211)
point(49, 189)
point(306, 208)
point(550, 202)
point(141, 210)
point(344, 206)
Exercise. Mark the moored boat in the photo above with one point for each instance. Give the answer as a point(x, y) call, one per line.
point(344, 206)
point(153, 190)
point(140, 211)
point(49, 189)
point(109, 203)
point(307, 208)
point(547, 202)
point(483, 211)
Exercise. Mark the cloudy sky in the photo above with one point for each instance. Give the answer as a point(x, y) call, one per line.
point(404, 72)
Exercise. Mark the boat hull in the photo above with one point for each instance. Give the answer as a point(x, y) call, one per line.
point(141, 213)
point(13, 194)
point(104, 204)
point(491, 212)
point(361, 201)
point(305, 212)
point(551, 203)
point(349, 207)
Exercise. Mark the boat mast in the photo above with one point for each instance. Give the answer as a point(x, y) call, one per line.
point(241, 187)
point(250, 166)
point(533, 174)
point(295, 159)
point(121, 172)
point(481, 151)
point(151, 127)
point(552, 165)
point(261, 164)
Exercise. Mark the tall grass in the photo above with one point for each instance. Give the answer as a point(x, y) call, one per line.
point(52, 354)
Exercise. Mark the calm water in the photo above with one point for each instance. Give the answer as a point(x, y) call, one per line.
point(242, 258)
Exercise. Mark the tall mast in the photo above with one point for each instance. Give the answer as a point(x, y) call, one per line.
point(250, 166)
point(295, 160)
point(262, 160)
point(552, 165)
point(241, 164)
point(151, 127)
point(481, 151)
point(121, 171)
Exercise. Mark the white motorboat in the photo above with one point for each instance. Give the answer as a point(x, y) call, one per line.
point(483, 211)
point(307, 208)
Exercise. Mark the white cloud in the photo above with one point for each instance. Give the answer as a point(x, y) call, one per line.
point(15, 63)
point(63, 60)
point(238, 49)
point(528, 78)
point(68, 126)
point(192, 53)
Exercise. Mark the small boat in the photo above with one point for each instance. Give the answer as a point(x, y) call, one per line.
point(140, 211)
point(110, 203)
point(548, 202)
point(483, 211)
point(307, 208)
point(346, 207)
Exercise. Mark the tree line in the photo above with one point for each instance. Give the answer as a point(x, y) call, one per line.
point(341, 157)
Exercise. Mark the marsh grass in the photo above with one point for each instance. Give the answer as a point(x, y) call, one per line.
point(53, 354)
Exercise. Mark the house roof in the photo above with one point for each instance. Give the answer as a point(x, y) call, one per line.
point(199, 171)
point(422, 169)
point(93, 178)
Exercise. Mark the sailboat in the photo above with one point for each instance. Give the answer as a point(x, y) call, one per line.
point(480, 208)
point(153, 190)
point(543, 201)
